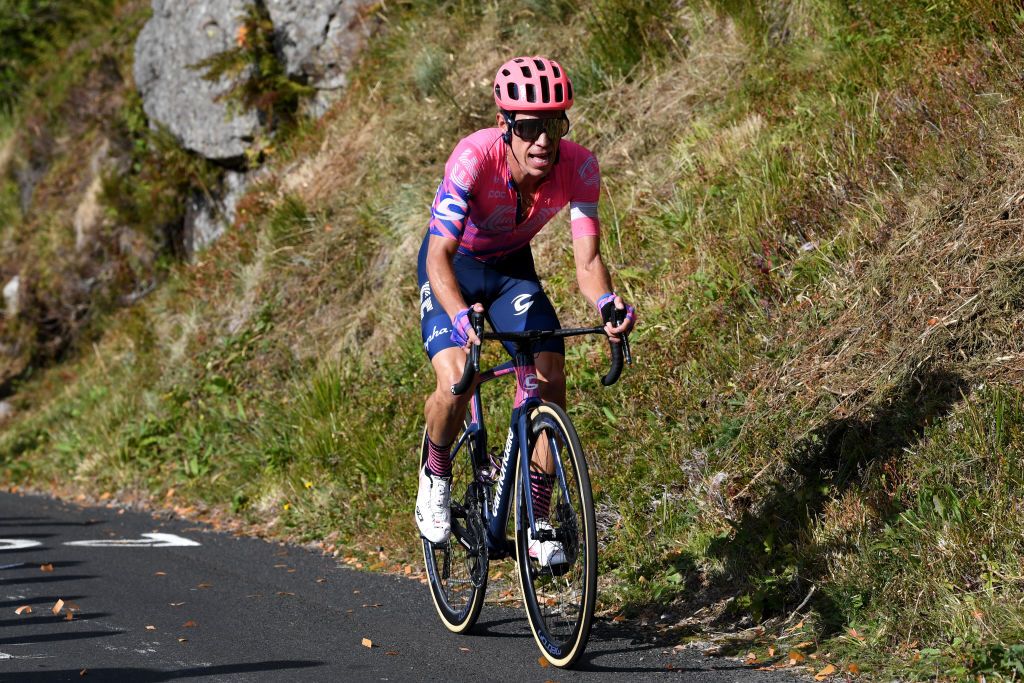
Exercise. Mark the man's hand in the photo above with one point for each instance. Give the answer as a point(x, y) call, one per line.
point(463, 333)
point(619, 317)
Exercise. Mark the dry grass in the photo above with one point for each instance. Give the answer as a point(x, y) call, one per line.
point(822, 240)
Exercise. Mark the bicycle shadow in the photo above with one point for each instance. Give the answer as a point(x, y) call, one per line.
point(772, 557)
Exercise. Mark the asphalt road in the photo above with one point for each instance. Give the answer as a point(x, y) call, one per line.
point(151, 608)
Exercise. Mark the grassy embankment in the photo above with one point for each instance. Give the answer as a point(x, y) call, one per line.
point(817, 210)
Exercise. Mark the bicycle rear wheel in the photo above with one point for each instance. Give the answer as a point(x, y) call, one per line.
point(560, 598)
point(457, 568)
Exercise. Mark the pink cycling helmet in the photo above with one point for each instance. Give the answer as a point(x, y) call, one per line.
point(532, 84)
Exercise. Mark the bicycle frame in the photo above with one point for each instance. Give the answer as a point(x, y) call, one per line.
point(500, 484)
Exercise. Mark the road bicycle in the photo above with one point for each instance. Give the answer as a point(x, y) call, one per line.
point(559, 598)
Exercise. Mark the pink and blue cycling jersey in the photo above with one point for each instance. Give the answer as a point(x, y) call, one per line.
point(476, 201)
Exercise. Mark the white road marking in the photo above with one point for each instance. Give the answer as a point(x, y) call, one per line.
point(17, 543)
point(149, 541)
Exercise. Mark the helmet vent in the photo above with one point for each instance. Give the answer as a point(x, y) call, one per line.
point(531, 94)
point(558, 92)
point(506, 72)
point(545, 91)
point(539, 64)
point(555, 70)
point(526, 71)
point(568, 87)
point(513, 91)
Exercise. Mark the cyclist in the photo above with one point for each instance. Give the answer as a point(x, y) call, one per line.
point(501, 186)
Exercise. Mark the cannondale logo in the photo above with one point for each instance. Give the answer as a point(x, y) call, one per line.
point(522, 303)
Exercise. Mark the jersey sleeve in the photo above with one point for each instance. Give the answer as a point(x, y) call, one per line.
point(586, 189)
point(451, 203)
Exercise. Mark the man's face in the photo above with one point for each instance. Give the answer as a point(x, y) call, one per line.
point(536, 157)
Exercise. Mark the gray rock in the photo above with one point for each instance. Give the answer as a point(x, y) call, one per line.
point(12, 297)
point(319, 39)
point(206, 218)
point(178, 35)
point(6, 410)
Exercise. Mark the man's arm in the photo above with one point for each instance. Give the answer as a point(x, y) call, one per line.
point(591, 273)
point(594, 280)
point(441, 275)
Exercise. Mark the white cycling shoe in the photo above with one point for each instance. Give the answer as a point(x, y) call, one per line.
point(547, 553)
point(433, 514)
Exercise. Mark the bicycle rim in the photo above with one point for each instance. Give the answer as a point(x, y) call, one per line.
point(457, 576)
point(560, 600)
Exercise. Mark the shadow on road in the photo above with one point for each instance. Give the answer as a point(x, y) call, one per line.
point(54, 637)
point(138, 675)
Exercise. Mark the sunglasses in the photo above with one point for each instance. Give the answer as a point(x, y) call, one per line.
point(530, 129)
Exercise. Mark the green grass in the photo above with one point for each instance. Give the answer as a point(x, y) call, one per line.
point(797, 200)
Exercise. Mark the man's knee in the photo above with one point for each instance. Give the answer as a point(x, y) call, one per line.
point(551, 374)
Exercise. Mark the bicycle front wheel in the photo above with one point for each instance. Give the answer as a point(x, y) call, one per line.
point(457, 568)
point(560, 597)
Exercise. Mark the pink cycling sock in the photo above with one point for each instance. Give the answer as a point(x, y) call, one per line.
point(439, 461)
point(540, 490)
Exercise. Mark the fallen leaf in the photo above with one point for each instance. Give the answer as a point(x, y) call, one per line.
point(933, 321)
point(280, 566)
point(795, 657)
point(72, 607)
point(391, 653)
point(175, 604)
point(408, 569)
point(284, 593)
point(24, 609)
point(618, 618)
point(46, 567)
point(68, 616)
point(57, 606)
point(367, 642)
point(182, 640)
point(170, 493)
point(321, 580)
point(544, 663)
point(189, 624)
point(805, 644)
point(853, 634)
point(241, 35)
point(83, 672)
point(463, 649)
point(205, 585)
point(151, 628)
point(825, 673)
point(159, 573)
point(376, 604)
point(853, 668)
point(751, 658)
point(771, 652)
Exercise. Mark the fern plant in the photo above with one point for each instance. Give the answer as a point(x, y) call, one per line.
point(256, 75)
